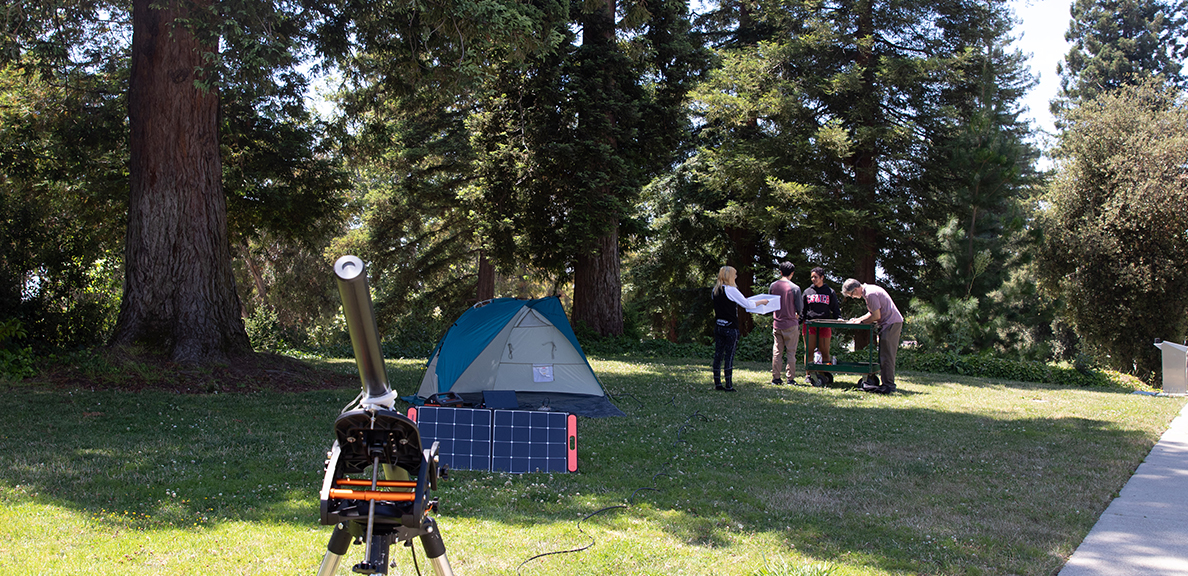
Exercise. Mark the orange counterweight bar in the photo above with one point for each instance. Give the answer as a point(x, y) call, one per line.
point(381, 483)
point(372, 495)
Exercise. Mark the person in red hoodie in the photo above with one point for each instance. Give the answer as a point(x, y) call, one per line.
point(820, 303)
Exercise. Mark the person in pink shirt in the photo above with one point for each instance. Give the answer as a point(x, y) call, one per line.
point(785, 326)
point(882, 312)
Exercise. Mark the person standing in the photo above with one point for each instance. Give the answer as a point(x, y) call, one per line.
point(785, 326)
point(727, 299)
point(882, 312)
point(820, 303)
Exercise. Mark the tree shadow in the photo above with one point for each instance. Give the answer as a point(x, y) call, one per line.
point(883, 481)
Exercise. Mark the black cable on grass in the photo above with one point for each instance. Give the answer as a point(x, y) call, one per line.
point(414, 555)
point(579, 527)
point(696, 413)
point(630, 501)
point(632, 396)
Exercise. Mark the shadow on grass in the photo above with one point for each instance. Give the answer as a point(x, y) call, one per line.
point(920, 481)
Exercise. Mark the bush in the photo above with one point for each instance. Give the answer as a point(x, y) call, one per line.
point(15, 362)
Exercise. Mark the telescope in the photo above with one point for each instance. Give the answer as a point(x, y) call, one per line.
point(378, 478)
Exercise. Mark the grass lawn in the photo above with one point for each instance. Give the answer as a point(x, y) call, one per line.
point(952, 475)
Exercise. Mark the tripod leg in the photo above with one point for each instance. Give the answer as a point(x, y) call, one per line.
point(435, 549)
point(340, 541)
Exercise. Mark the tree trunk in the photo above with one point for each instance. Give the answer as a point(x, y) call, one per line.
point(866, 156)
point(597, 289)
point(257, 274)
point(179, 291)
point(486, 279)
point(597, 286)
point(743, 243)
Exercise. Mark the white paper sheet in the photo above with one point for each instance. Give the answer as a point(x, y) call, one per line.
point(773, 304)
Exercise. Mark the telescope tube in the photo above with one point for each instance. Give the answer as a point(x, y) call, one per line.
point(360, 319)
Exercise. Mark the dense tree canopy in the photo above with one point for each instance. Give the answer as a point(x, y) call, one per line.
point(616, 153)
point(1119, 42)
point(1115, 226)
point(846, 134)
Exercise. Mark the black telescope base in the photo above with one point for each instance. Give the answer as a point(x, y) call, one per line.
point(377, 561)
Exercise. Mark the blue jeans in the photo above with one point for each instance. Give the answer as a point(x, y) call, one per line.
point(725, 341)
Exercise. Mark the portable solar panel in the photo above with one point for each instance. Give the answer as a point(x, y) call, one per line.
point(514, 441)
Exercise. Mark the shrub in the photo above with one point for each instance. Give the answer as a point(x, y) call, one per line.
point(15, 361)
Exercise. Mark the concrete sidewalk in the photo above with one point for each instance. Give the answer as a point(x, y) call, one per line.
point(1144, 531)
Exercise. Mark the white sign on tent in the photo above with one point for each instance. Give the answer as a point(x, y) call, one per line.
point(542, 372)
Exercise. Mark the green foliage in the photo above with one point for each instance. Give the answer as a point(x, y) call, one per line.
point(264, 331)
point(784, 568)
point(1115, 222)
point(948, 324)
point(987, 304)
point(62, 201)
point(15, 361)
point(1117, 43)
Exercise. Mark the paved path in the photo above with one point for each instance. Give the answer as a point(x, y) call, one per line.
point(1144, 531)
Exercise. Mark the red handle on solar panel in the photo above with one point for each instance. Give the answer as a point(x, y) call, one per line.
point(571, 442)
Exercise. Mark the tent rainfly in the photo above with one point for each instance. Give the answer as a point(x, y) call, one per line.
point(526, 346)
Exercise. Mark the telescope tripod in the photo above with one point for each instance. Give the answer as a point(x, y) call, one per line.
point(375, 511)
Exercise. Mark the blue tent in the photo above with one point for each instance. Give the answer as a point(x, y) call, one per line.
point(526, 346)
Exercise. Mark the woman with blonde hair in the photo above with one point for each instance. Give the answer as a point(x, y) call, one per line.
point(727, 300)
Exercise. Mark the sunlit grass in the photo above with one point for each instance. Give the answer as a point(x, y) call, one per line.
point(953, 475)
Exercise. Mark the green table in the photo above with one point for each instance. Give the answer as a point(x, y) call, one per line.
point(869, 369)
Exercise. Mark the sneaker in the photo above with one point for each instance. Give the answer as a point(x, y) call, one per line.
point(719, 387)
point(776, 381)
point(729, 388)
point(808, 381)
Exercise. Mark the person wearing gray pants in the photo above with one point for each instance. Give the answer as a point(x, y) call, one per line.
point(882, 312)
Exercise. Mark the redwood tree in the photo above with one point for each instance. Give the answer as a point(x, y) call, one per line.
point(570, 136)
point(179, 290)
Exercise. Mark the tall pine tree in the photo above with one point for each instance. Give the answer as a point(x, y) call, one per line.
point(1119, 42)
point(571, 136)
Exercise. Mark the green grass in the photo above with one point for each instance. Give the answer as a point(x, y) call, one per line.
point(953, 475)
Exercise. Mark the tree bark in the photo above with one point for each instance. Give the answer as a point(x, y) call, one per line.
point(179, 290)
point(486, 279)
point(866, 156)
point(597, 288)
point(743, 242)
point(257, 275)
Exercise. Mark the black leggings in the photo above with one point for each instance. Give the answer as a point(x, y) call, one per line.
point(725, 342)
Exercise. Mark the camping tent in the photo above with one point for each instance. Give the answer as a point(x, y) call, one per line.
point(526, 346)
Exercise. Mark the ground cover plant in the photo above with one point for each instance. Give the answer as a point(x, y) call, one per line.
point(952, 475)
